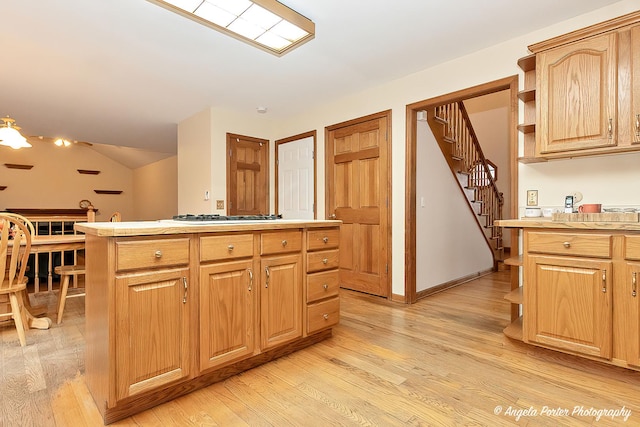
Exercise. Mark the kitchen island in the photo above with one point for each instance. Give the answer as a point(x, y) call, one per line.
point(175, 306)
point(579, 288)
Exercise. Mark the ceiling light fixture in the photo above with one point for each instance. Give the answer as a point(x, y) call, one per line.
point(10, 135)
point(60, 142)
point(266, 24)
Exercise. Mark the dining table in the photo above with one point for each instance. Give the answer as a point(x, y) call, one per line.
point(48, 244)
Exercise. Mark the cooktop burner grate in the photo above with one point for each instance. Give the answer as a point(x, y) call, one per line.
point(217, 217)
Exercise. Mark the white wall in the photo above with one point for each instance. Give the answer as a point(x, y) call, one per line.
point(449, 243)
point(490, 64)
point(156, 190)
point(54, 181)
point(202, 161)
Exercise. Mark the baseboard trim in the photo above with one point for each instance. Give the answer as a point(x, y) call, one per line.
point(451, 284)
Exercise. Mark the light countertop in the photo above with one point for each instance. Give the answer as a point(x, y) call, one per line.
point(541, 222)
point(160, 227)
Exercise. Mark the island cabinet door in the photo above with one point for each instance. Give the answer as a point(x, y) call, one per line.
point(568, 304)
point(280, 300)
point(227, 310)
point(152, 330)
point(628, 313)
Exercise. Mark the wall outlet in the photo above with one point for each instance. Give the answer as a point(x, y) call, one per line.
point(532, 197)
point(219, 204)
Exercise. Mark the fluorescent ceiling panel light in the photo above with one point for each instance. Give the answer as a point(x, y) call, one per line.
point(266, 24)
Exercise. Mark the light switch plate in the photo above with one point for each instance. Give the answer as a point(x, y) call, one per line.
point(532, 197)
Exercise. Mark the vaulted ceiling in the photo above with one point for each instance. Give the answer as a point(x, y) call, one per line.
point(125, 72)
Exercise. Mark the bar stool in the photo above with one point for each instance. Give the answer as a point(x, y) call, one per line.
point(65, 272)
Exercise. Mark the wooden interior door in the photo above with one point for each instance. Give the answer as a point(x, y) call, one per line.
point(247, 175)
point(358, 190)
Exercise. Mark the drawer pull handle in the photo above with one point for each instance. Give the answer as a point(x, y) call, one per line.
point(325, 286)
point(325, 260)
point(633, 285)
point(268, 274)
point(567, 245)
point(230, 248)
point(604, 281)
point(284, 243)
point(158, 254)
point(325, 239)
point(326, 316)
point(250, 279)
point(184, 283)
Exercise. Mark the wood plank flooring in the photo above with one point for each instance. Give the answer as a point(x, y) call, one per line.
point(441, 362)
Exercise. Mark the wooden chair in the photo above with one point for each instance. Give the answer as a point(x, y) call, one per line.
point(68, 271)
point(14, 235)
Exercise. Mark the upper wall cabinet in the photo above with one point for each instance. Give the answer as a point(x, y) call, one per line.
point(587, 91)
point(577, 86)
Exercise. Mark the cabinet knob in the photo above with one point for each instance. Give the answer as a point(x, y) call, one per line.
point(230, 248)
point(325, 239)
point(325, 286)
point(332, 216)
point(326, 316)
point(325, 260)
point(158, 254)
point(567, 245)
point(284, 243)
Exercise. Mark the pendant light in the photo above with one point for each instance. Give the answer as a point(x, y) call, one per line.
point(10, 135)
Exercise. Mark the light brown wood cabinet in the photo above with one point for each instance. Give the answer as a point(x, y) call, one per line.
point(167, 314)
point(587, 92)
point(152, 307)
point(581, 293)
point(323, 279)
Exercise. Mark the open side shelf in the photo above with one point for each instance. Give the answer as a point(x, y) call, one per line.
point(514, 330)
point(515, 296)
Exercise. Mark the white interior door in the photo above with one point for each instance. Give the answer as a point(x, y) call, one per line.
point(296, 180)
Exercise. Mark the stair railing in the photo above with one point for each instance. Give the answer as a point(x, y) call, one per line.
point(466, 150)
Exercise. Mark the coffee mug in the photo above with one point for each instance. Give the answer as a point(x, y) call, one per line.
point(590, 208)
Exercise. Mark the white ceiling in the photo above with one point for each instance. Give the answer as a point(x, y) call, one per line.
point(125, 72)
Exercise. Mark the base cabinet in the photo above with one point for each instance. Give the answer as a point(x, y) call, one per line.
point(280, 300)
point(581, 293)
point(569, 304)
point(152, 340)
point(166, 315)
point(227, 307)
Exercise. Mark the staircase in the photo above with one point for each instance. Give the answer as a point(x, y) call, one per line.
point(452, 129)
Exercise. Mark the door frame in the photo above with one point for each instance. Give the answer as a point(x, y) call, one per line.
point(388, 241)
point(314, 135)
point(229, 138)
point(507, 83)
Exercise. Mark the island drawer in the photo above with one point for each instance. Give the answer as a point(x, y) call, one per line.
point(632, 247)
point(226, 246)
point(322, 260)
point(326, 238)
point(141, 254)
point(574, 244)
point(281, 242)
point(322, 285)
point(323, 315)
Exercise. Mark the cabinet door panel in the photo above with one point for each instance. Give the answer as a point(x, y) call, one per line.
point(578, 86)
point(568, 304)
point(152, 331)
point(628, 294)
point(226, 312)
point(635, 84)
point(281, 299)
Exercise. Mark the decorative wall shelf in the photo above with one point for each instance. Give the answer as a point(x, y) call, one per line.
point(17, 166)
point(108, 191)
point(87, 172)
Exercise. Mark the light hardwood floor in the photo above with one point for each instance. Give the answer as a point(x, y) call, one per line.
point(441, 362)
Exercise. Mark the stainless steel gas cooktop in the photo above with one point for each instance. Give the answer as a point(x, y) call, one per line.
point(216, 217)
